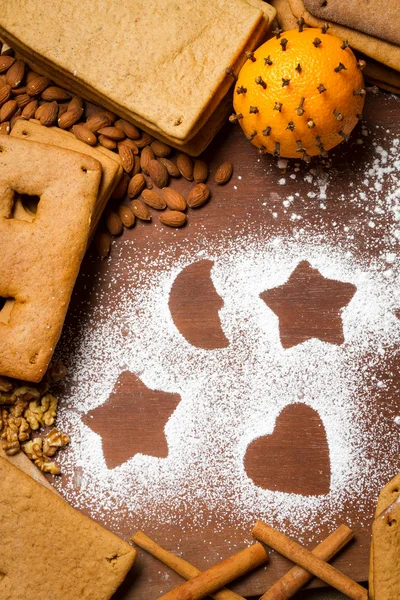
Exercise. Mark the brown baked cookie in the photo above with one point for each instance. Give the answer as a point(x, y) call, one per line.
point(386, 553)
point(72, 558)
point(40, 260)
point(381, 51)
point(366, 16)
point(389, 494)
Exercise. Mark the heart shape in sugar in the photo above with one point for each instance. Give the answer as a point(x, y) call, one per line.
point(294, 458)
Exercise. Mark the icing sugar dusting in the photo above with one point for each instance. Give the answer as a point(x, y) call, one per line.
point(231, 396)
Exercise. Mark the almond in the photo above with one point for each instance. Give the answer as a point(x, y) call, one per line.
point(129, 130)
point(56, 93)
point(173, 218)
point(173, 199)
point(136, 185)
point(19, 91)
point(96, 122)
point(15, 74)
point(126, 215)
point(171, 167)
point(5, 93)
point(7, 110)
point(114, 223)
point(152, 199)
point(185, 166)
point(160, 149)
point(158, 173)
point(146, 156)
point(6, 50)
point(198, 195)
point(30, 76)
point(75, 103)
point(136, 167)
point(224, 173)
point(6, 62)
point(200, 171)
point(37, 84)
point(140, 210)
point(69, 118)
point(120, 189)
point(102, 243)
point(48, 113)
point(107, 143)
point(144, 140)
point(126, 157)
point(130, 144)
point(114, 133)
point(30, 109)
point(62, 108)
point(102, 111)
point(84, 134)
point(23, 100)
point(5, 128)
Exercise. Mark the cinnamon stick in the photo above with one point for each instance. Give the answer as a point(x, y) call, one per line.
point(177, 564)
point(297, 577)
point(208, 582)
point(304, 558)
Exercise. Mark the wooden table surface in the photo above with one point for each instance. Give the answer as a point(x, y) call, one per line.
point(298, 457)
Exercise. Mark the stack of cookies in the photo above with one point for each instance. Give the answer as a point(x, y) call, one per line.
point(160, 66)
point(371, 31)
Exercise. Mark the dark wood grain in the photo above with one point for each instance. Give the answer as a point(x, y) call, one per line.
point(251, 199)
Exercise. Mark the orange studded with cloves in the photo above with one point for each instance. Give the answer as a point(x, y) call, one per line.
point(299, 94)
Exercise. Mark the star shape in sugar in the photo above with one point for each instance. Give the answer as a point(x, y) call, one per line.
point(132, 421)
point(309, 306)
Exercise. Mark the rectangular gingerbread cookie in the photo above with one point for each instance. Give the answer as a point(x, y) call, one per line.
point(48, 550)
point(40, 260)
point(195, 43)
point(110, 161)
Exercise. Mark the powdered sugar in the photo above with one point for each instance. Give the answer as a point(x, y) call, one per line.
point(230, 396)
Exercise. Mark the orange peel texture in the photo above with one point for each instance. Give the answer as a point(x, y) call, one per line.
point(300, 94)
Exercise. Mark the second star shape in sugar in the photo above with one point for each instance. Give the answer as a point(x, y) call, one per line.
point(309, 306)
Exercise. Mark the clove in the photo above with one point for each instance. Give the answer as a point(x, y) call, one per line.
point(241, 90)
point(300, 23)
point(325, 28)
point(344, 135)
point(361, 64)
point(322, 150)
point(283, 43)
point(277, 32)
point(340, 67)
point(250, 136)
point(310, 124)
point(266, 131)
point(321, 88)
point(360, 92)
point(230, 72)
point(344, 45)
point(267, 61)
point(285, 82)
point(278, 106)
point(299, 109)
point(250, 56)
point(253, 110)
point(235, 117)
point(317, 42)
point(298, 68)
point(338, 115)
point(259, 81)
point(277, 150)
point(262, 150)
point(306, 157)
point(359, 116)
point(290, 126)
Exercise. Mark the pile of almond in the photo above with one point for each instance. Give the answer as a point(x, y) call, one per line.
point(148, 163)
